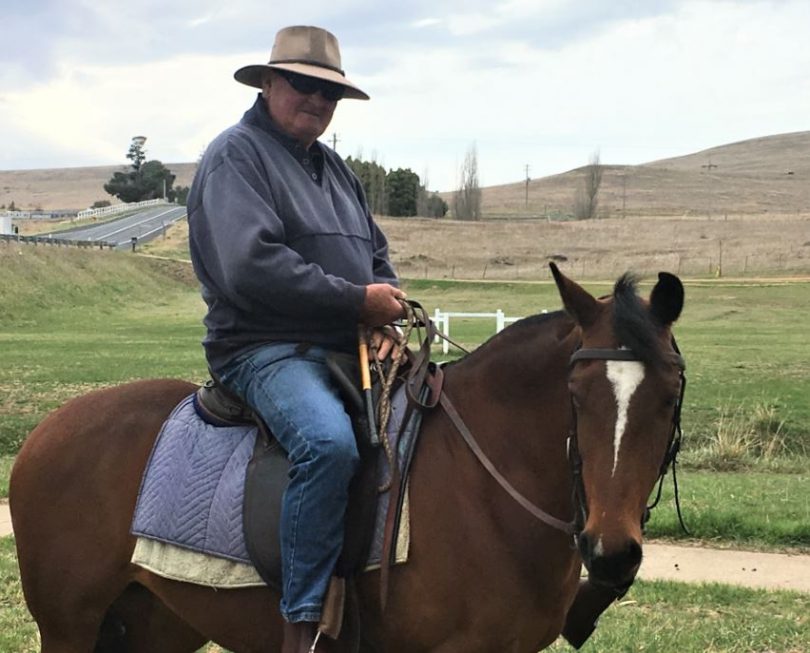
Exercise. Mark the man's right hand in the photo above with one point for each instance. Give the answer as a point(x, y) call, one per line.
point(381, 305)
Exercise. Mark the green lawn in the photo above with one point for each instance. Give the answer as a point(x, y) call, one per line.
point(750, 509)
point(664, 617)
point(74, 320)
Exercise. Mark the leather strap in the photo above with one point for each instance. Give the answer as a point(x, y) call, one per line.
point(538, 513)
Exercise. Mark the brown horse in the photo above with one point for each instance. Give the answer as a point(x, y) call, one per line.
point(484, 575)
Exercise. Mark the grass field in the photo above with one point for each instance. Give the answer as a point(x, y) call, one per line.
point(73, 321)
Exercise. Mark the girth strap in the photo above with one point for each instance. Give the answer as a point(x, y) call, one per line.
point(461, 427)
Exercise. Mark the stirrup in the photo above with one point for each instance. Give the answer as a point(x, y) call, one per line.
point(315, 641)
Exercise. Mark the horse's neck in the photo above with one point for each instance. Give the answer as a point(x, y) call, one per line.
point(512, 393)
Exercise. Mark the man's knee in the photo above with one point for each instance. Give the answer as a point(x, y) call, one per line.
point(339, 452)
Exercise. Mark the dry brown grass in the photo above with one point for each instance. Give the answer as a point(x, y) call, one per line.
point(597, 249)
point(68, 188)
point(601, 249)
point(757, 176)
point(744, 216)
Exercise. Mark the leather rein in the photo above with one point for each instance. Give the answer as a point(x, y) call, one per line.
point(575, 526)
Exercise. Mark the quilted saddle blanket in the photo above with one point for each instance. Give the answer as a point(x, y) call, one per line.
point(190, 503)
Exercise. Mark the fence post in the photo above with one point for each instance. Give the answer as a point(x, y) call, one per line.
point(499, 324)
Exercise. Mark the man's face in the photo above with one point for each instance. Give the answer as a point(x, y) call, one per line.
point(304, 117)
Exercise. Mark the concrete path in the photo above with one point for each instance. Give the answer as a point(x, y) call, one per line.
point(696, 564)
point(5, 520)
point(688, 564)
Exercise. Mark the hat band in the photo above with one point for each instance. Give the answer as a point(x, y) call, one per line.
point(309, 62)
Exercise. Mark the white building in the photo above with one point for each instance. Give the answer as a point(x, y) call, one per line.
point(5, 224)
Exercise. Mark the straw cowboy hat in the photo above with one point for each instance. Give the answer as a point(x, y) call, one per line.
point(305, 50)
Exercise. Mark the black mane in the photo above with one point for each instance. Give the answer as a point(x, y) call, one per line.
point(633, 323)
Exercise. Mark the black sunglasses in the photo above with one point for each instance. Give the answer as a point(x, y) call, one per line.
point(309, 85)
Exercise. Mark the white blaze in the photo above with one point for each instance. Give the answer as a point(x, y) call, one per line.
point(625, 377)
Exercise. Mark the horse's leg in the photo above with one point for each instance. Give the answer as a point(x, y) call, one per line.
point(140, 623)
point(72, 494)
point(242, 620)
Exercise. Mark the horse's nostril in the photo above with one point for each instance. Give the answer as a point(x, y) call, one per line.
point(633, 553)
point(615, 566)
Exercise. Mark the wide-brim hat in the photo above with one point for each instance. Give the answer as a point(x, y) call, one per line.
point(305, 50)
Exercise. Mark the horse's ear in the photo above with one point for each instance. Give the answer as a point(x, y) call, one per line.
point(577, 301)
point(666, 299)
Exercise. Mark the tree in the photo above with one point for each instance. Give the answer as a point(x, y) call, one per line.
point(587, 200)
point(435, 206)
point(156, 180)
point(145, 181)
point(467, 199)
point(136, 152)
point(372, 176)
point(180, 195)
point(402, 189)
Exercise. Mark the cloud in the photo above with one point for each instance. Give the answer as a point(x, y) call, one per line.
point(543, 83)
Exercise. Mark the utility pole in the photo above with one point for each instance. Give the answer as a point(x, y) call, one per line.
point(624, 194)
point(335, 140)
point(527, 187)
point(709, 166)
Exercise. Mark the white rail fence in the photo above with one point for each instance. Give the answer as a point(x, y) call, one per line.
point(442, 321)
point(118, 208)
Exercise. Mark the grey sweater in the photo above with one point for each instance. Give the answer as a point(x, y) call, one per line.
point(282, 248)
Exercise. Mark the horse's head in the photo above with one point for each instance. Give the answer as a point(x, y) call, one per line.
point(625, 383)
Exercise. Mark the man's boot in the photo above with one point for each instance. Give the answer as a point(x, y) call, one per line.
point(299, 638)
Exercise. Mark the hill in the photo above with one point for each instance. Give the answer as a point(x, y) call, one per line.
point(69, 188)
point(760, 175)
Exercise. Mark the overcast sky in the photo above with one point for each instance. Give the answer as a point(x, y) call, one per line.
point(540, 82)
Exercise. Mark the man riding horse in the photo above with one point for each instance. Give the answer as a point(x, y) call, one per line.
point(290, 261)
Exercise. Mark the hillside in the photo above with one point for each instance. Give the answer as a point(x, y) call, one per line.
point(68, 188)
point(761, 175)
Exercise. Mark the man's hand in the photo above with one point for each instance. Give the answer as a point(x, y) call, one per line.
point(384, 341)
point(381, 305)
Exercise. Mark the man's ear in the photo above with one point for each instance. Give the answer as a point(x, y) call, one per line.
point(266, 83)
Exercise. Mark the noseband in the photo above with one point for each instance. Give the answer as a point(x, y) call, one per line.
point(673, 445)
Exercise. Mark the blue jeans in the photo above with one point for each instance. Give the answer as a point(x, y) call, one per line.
point(293, 392)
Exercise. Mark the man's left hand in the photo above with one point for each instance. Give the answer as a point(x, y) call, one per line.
point(385, 341)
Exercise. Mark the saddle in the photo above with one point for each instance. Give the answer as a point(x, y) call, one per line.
point(267, 473)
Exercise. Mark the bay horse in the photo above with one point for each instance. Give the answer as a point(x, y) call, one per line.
point(572, 414)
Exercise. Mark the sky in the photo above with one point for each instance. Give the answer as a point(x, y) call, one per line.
point(540, 83)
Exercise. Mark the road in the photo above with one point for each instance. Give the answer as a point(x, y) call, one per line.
point(144, 225)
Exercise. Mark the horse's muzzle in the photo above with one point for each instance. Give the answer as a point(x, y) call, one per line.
point(613, 566)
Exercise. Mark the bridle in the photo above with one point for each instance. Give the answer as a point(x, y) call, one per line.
point(575, 527)
point(673, 445)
